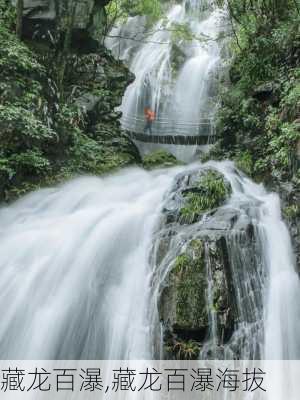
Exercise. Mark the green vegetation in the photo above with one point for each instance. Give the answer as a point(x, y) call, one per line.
point(244, 162)
point(182, 261)
point(210, 192)
point(187, 276)
point(120, 10)
point(48, 130)
point(159, 159)
point(258, 118)
point(186, 350)
point(292, 211)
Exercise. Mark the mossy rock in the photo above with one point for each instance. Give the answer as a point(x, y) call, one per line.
point(159, 159)
point(183, 301)
point(209, 192)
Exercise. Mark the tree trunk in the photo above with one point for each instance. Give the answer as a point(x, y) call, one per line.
point(19, 22)
point(67, 43)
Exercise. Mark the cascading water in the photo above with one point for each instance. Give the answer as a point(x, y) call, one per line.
point(264, 281)
point(80, 278)
point(280, 296)
point(74, 272)
point(77, 279)
point(174, 77)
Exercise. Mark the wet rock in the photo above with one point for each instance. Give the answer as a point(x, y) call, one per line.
point(199, 192)
point(42, 16)
point(201, 262)
point(290, 202)
point(222, 219)
point(266, 92)
point(182, 303)
point(88, 102)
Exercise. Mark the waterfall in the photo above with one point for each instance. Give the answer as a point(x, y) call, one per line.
point(261, 265)
point(74, 268)
point(82, 270)
point(182, 95)
point(79, 279)
point(281, 305)
point(174, 76)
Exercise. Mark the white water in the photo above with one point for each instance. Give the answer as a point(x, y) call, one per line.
point(76, 277)
point(181, 97)
point(180, 100)
point(74, 271)
point(281, 304)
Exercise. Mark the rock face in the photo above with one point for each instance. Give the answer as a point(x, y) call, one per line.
point(62, 103)
point(42, 16)
point(204, 293)
point(266, 92)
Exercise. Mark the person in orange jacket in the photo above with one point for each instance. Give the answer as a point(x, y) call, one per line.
point(150, 117)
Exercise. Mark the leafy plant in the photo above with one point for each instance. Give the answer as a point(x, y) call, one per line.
point(186, 350)
point(210, 192)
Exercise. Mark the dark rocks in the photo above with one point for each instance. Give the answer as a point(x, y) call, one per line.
point(196, 288)
point(201, 261)
point(182, 303)
point(290, 201)
point(266, 92)
point(88, 102)
point(41, 17)
point(198, 193)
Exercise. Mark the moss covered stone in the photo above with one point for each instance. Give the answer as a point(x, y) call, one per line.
point(159, 159)
point(184, 299)
point(210, 191)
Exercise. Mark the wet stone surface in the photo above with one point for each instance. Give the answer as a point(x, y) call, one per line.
point(198, 294)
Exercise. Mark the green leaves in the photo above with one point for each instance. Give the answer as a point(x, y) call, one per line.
point(20, 128)
point(16, 57)
point(159, 159)
point(210, 192)
point(122, 9)
point(256, 126)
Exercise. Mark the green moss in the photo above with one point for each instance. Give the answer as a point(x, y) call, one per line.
point(292, 211)
point(244, 162)
point(187, 276)
point(182, 262)
point(197, 246)
point(159, 159)
point(210, 192)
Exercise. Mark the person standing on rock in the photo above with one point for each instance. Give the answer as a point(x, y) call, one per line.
point(150, 117)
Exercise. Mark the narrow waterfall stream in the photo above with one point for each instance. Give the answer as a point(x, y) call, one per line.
point(81, 275)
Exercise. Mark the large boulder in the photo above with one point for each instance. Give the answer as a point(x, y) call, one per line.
point(209, 263)
point(42, 16)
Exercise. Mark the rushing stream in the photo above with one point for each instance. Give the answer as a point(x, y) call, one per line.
point(76, 277)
